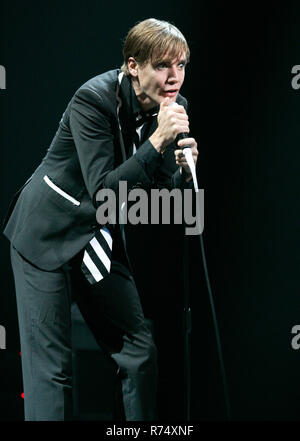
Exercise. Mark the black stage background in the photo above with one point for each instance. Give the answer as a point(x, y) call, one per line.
point(245, 115)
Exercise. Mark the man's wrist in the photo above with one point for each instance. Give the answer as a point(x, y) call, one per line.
point(157, 141)
point(186, 174)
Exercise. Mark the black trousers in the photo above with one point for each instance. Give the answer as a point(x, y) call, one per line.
point(112, 310)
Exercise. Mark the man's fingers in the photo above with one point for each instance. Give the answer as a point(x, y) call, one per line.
point(178, 109)
point(187, 141)
point(179, 154)
point(165, 102)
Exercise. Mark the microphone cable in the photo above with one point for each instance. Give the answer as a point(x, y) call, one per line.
point(189, 158)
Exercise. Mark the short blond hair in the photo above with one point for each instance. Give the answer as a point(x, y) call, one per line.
point(152, 39)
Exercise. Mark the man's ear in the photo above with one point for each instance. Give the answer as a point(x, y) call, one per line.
point(132, 67)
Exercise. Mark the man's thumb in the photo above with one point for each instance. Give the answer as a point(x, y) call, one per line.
point(165, 102)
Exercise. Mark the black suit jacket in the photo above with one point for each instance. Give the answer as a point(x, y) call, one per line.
point(53, 216)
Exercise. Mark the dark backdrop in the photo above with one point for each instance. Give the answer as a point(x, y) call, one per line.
point(244, 114)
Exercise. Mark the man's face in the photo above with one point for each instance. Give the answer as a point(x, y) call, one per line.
point(154, 82)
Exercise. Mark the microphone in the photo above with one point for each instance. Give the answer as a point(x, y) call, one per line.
point(186, 150)
point(181, 135)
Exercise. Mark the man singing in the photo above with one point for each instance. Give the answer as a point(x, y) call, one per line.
point(117, 127)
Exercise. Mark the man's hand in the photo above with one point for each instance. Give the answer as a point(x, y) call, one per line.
point(180, 158)
point(171, 120)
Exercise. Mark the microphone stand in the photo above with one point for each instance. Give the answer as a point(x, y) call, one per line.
point(187, 311)
point(187, 327)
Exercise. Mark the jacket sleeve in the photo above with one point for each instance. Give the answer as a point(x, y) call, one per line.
point(95, 139)
point(168, 174)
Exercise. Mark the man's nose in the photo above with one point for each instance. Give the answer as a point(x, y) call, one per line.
point(173, 74)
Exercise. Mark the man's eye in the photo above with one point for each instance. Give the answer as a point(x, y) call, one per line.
point(161, 66)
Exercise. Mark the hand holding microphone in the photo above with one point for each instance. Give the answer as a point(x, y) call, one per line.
point(171, 120)
point(186, 157)
point(173, 123)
